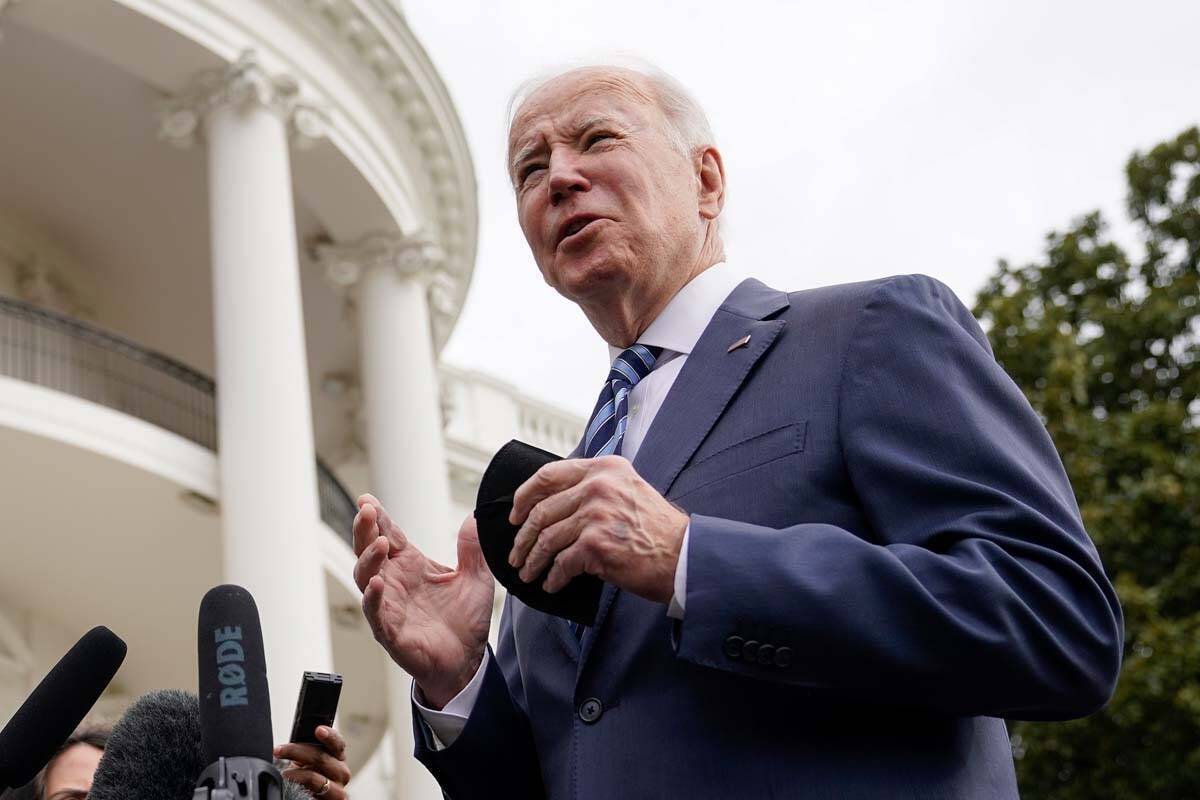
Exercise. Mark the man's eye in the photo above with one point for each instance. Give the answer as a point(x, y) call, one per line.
point(528, 171)
point(596, 137)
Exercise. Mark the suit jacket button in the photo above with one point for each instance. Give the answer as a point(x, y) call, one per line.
point(733, 647)
point(590, 710)
point(750, 650)
point(783, 657)
point(765, 653)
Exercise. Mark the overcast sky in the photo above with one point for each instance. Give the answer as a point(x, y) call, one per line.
point(860, 139)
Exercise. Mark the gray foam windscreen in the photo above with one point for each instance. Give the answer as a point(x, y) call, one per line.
point(154, 752)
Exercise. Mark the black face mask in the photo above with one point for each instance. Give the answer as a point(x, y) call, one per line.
point(514, 464)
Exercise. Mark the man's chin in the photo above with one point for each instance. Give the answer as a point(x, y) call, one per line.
point(580, 279)
point(590, 288)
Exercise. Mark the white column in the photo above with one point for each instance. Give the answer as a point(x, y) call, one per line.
point(269, 508)
point(394, 278)
point(4, 6)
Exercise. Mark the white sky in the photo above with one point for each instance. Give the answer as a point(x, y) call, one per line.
point(860, 139)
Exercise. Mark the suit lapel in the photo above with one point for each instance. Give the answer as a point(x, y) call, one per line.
point(709, 379)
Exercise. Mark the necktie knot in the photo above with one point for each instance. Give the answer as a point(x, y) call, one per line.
point(606, 428)
point(634, 363)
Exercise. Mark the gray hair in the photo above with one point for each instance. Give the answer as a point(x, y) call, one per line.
point(687, 130)
point(688, 124)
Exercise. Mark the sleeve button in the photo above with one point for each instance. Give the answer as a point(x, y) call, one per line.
point(766, 653)
point(750, 650)
point(783, 657)
point(733, 647)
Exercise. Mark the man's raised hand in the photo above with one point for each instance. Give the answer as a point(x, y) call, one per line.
point(432, 620)
point(597, 515)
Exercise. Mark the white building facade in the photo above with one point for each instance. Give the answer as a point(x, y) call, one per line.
point(234, 237)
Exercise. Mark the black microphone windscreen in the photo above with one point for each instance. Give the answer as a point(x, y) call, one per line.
point(154, 752)
point(58, 705)
point(235, 708)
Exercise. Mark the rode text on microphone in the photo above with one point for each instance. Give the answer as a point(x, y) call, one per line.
point(231, 672)
point(235, 709)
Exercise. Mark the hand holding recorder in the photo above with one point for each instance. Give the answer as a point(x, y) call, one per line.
point(317, 752)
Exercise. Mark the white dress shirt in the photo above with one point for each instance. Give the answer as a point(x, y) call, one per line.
point(676, 330)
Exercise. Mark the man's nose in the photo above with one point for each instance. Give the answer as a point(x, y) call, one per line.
point(565, 177)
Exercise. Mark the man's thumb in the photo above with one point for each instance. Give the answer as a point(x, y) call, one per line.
point(470, 554)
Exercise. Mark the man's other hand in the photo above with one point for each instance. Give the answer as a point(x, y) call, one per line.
point(432, 620)
point(320, 768)
point(597, 515)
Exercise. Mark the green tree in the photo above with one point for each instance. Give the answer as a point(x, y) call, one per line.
point(1105, 342)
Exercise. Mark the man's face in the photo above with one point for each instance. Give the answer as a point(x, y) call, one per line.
point(605, 200)
point(70, 775)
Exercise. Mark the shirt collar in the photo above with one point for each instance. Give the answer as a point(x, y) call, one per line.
point(678, 327)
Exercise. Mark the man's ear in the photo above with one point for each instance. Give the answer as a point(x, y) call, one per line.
point(710, 182)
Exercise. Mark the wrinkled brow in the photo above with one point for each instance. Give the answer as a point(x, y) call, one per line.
point(575, 130)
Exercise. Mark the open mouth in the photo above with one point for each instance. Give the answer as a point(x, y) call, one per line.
point(574, 227)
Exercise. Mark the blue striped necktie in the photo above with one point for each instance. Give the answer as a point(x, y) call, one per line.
point(606, 429)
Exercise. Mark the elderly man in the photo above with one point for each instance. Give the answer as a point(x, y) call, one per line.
point(838, 545)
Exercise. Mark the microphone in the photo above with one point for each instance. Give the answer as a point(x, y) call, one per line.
point(58, 704)
point(235, 708)
point(154, 752)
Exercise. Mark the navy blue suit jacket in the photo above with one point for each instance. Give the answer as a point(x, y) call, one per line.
point(886, 559)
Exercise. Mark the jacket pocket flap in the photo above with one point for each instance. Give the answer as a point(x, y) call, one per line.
point(751, 452)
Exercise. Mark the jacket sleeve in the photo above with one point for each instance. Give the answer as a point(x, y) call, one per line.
point(977, 591)
point(494, 756)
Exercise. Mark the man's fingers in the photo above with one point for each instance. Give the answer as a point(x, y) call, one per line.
point(365, 529)
point(333, 741)
point(370, 507)
point(389, 528)
point(372, 603)
point(553, 539)
point(369, 562)
point(550, 479)
point(547, 512)
point(569, 563)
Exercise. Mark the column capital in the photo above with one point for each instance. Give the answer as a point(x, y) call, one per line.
point(243, 83)
point(415, 257)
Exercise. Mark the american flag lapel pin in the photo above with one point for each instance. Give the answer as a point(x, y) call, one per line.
point(742, 342)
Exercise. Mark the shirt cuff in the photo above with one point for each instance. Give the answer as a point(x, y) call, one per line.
point(447, 724)
point(679, 599)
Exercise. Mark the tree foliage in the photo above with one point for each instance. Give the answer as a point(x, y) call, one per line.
point(1105, 341)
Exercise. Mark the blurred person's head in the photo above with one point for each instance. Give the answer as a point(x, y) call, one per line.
point(68, 776)
point(618, 186)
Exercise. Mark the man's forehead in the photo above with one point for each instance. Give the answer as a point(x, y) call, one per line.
point(572, 100)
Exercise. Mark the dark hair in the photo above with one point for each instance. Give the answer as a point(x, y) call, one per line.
point(92, 734)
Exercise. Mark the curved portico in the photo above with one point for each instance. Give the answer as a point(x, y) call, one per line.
point(310, 129)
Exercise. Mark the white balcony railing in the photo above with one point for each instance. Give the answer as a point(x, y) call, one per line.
point(482, 412)
point(62, 353)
